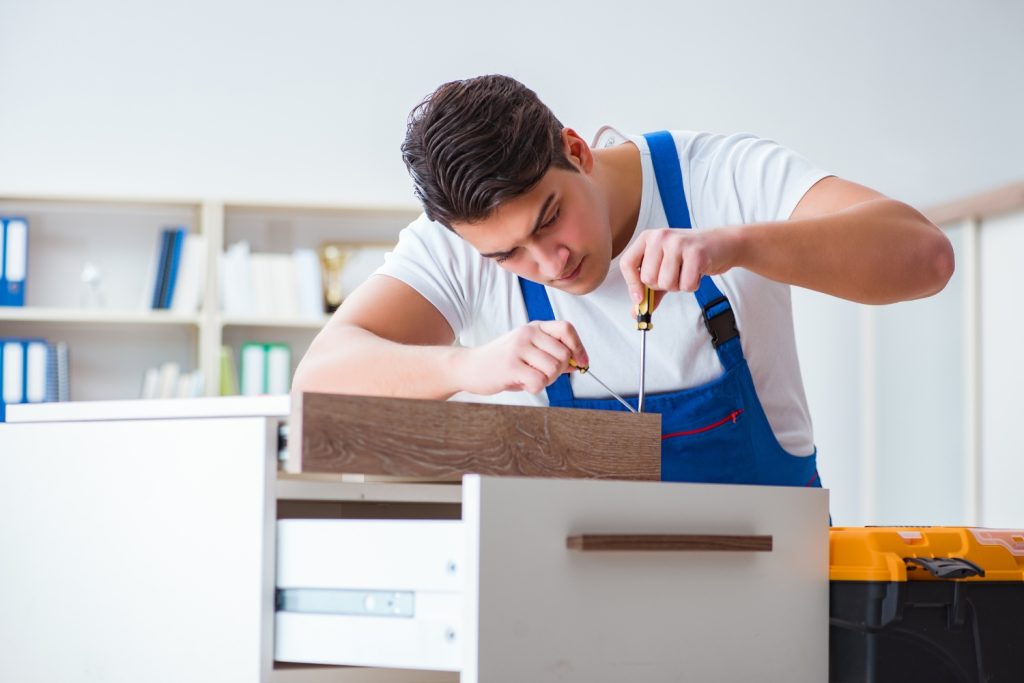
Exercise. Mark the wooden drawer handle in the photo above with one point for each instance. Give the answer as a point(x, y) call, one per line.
point(668, 542)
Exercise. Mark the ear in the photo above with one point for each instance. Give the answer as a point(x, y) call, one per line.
point(577, 150)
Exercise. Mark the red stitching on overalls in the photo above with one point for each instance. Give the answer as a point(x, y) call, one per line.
point(731, 416)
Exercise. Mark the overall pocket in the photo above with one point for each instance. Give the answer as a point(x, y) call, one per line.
point(714, 450)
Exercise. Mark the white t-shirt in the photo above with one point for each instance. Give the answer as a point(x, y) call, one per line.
point(729, 180)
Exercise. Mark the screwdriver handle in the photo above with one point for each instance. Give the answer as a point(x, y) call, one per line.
point(582, 368)
point(644, 310)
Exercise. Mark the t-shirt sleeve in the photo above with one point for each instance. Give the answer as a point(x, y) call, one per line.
point(439, 265)
point(760, 177)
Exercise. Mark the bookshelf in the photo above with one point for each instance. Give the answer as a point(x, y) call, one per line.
point(112, 344)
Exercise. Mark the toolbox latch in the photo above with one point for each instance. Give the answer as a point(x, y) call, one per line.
point(947, 567)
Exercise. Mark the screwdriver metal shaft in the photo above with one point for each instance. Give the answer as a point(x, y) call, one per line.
point(643, 370)
point(643, 323)
point(585, 370)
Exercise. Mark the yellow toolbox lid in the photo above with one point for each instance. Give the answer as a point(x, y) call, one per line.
point(925, 554)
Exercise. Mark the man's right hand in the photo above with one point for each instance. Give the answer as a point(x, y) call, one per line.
point(526, 359)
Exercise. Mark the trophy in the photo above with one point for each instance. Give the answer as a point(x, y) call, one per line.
point(332, 262)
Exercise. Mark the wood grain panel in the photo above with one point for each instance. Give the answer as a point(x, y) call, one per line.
point(442, 440)
point(668, 542)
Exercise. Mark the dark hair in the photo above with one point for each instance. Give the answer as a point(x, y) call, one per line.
point(472, 145)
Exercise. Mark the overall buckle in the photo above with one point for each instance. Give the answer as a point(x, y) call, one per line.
point(721, 326)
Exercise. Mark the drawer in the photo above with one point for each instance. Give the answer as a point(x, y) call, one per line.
point(569, 580)
point(370, 593)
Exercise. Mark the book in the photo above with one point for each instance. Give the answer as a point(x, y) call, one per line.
point(236, 280)
point(308, 288)
point(228, 376)
point(188, 294)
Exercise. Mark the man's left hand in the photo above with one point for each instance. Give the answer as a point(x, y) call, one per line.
point(669, 260)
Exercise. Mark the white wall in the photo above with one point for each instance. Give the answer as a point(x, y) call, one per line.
point(307, 101)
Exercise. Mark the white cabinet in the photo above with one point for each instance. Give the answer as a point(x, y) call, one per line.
point(156, 541)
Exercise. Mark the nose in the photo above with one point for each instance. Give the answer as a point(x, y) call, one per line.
point(551, 262)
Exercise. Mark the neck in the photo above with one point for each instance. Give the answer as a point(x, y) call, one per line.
point(622, 179)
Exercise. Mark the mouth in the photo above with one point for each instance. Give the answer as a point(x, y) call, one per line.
point(572, 275)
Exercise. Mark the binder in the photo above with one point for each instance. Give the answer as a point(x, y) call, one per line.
point(53, 372)
point(177, 239)
point(254, 375)
point(15, 245)
point(266, 368)
point(161, 269)
point(14, 371)
point(3, 260)
point(31, 371)
point(279, 362)
point(35, 371)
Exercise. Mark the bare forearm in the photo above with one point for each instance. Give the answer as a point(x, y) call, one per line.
point(877, 252)
point(350, 360)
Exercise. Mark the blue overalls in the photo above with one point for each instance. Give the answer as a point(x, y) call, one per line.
point(716, 432)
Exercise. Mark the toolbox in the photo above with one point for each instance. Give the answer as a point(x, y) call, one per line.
point(932, 604)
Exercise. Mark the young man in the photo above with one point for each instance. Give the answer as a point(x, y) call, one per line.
point(534, 250)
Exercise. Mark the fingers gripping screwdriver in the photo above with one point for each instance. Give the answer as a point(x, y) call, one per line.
point(643, 323)
point(584, 369)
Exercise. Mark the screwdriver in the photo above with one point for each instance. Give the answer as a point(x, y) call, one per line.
point(643, 323)
point(585, 369)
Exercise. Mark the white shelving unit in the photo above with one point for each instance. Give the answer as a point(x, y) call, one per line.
point(111, 346)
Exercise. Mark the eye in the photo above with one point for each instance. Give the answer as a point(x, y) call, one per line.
point(504, 257)
point(551, 221)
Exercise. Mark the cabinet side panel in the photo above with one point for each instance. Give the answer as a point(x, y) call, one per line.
point(136, 550)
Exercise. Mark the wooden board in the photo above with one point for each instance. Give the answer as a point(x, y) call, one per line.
point(442, 440)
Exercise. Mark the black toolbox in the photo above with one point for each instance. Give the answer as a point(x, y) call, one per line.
point(931, 604)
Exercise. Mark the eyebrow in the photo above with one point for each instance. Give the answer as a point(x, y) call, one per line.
point(536, 227)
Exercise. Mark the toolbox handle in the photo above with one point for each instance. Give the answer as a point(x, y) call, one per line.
point(671, 542)
point(946, 567)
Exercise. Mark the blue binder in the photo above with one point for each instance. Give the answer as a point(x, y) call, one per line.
point(21, 393)
point(15, 260)
point(177, 237)
point(161, 269)
point(3, 269)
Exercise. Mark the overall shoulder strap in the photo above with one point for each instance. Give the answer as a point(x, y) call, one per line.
point(538, 307)
point(718, 315)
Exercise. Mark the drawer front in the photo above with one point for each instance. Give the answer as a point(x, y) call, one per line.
point(662, 582)
point(370, 593)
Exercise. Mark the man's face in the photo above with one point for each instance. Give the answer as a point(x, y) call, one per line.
point(558, 234)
